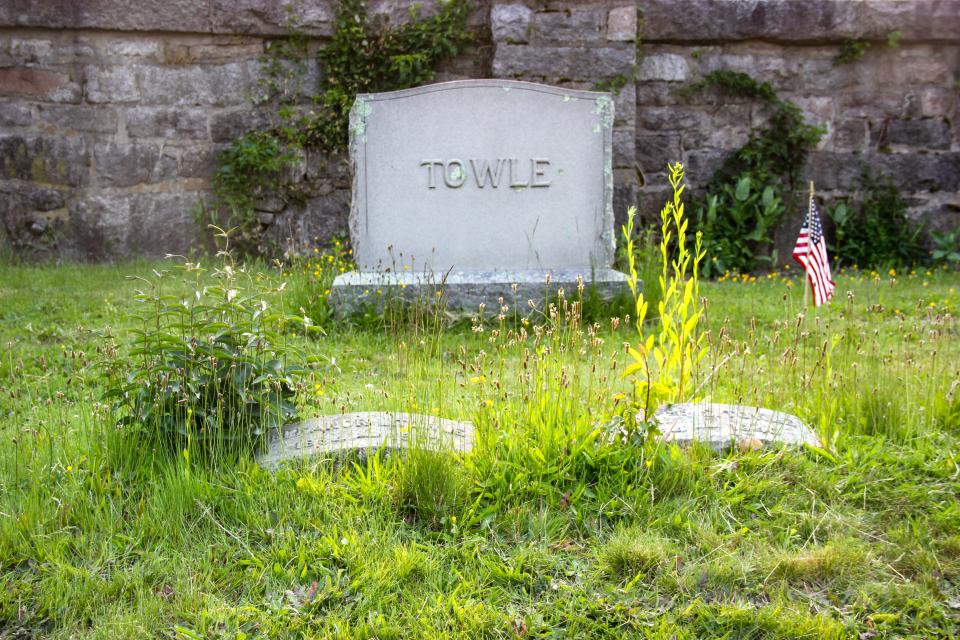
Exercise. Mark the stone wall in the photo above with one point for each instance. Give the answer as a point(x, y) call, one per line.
point(112, 111)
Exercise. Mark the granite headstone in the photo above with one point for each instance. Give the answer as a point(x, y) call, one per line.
point(486, 188)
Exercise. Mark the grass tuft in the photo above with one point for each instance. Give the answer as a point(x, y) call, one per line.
point(631, 552)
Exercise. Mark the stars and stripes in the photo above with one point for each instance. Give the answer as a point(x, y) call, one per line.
point(811, 252)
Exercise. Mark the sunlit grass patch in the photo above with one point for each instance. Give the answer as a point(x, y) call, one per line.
point(634, 553)
point(838, 560)
point(565, 522)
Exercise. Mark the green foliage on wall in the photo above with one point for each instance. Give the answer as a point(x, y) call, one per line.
point(747, 197)
point(363, 55)
point(872, 230)
point(850, 51)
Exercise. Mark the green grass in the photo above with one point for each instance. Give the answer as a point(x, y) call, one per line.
point(547, 530)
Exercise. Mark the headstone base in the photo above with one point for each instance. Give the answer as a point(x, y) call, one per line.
point(358, 291)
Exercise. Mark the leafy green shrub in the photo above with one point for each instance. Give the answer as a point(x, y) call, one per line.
point(746, 198)
point(207, 367)
point(365, 56)
point(253, 166)
point(872, 229)
point(946, 247)
point(740, 220)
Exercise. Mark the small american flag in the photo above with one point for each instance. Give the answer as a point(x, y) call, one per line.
point(811, 252)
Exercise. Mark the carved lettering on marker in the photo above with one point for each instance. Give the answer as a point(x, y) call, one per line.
point(514, 181)
point(455, 174)
point(431, 182)
point(537, 172)
point(488, 172)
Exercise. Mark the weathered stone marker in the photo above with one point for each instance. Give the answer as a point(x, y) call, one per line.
point(720, 425)
point(490, 187)
point(366, 430)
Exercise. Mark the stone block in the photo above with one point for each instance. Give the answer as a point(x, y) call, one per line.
point(151, 50)
point(335, 167)
point(124, 165)
point(149, 225)
point(267, 17)
point(38, 84)
point(172, 124)
point(227, 126)
point(625, 107)
point(650, 200)
point(720, 135)
point(622, 24)
point(909, 67)
point(312, 223)
point(872, 105)
point(797, 21)
point(78, 118)
point(702, 164)
point(510, 23)
point(626, 194)
point(928, 133)
point(34, 197)
point(937, 101)
point(55, 160)
point(14, 114)
point(668, 67)
point(920, 172)
point(562, 63)
point(227, 84)
point(677, 118)
point(834, 170)
point(198, 162)
point(25, 225)
point(29, 51)
point(79, 50)
point(111, 84)
point(568, 26)
point(849, 135)
point(218, 52)
point(655, 150)
point(624, 150)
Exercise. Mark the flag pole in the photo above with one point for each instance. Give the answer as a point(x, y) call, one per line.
point(806, 277)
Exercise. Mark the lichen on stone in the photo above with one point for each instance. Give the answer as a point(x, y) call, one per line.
point(603, 107)
point(358, 116)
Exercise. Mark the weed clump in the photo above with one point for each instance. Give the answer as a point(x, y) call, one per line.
point(630, 553)
point(430, 486)
point(837, 560)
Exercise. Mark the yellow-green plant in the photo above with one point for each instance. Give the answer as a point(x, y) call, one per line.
point(678, 346)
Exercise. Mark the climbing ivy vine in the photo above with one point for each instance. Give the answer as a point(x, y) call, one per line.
point(748, 195)
point(364, 55)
